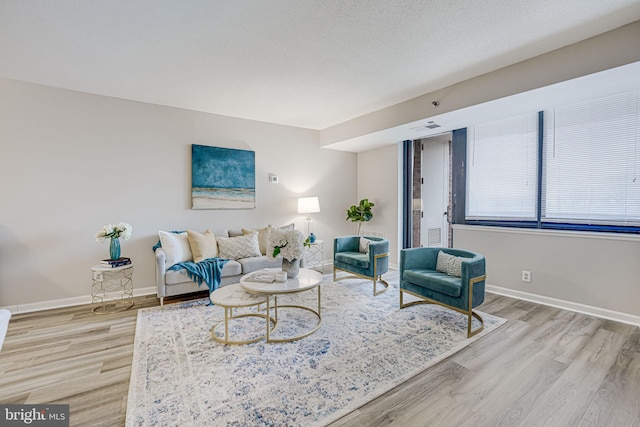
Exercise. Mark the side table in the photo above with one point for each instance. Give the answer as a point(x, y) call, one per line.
point(314, 256)
point(112, 288)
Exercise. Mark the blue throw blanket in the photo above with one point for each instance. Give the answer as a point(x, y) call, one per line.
point(208, 270)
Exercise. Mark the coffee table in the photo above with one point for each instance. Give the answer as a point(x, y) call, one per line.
point(234, 296)
point(306, 280)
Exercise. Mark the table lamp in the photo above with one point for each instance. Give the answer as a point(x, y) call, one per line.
point(308, 205)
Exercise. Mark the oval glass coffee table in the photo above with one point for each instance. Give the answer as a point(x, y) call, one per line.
point(306, 280)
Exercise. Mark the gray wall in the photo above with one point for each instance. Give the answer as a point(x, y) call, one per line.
point(593, 269)
point(72, 162)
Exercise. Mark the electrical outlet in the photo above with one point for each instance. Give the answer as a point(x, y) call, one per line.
point(526, 276)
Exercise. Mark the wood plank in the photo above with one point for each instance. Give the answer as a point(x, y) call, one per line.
point(546, 366)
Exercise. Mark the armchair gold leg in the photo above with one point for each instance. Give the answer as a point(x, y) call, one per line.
point(353, 275)
point(381, 281)
point(424, 300)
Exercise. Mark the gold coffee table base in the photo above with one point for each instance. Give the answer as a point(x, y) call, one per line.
point(228, 315)
point(298, 337)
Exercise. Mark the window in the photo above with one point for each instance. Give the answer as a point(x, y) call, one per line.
point(502, 170)
point(592, 162)
point(588, 176)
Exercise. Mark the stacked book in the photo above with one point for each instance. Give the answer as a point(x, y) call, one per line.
point(120, 262)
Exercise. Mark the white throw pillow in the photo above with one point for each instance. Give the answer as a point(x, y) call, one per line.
point(450, 264)
point(264, 234)
point(203, 245)
point(364, 245)
point(176, 247)
point(239, 247)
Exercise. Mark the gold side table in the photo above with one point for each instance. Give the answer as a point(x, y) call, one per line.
point(314, 255)
point(112, 288)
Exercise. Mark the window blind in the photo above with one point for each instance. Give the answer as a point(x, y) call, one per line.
point(592, 162)
point(502, 170)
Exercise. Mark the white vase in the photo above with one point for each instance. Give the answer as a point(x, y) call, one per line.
point(291, 267)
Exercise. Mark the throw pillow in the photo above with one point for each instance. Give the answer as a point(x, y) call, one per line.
point(455, 267)
point(176, 247)
point(264, 234)
point(450, 264)
point(442, 263)
point(203, 245)
point(239, 247)
point(364, 245)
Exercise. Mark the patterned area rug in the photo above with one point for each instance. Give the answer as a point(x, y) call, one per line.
point(365, 346)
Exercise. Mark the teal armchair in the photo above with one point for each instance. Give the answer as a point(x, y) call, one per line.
point(420, 278)
point(372, 265)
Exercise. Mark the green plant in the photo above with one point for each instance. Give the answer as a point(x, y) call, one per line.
point(360, 213)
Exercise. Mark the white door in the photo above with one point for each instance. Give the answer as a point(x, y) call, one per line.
point(435, 191)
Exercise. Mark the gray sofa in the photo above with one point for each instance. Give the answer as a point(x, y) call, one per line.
point(172, 283)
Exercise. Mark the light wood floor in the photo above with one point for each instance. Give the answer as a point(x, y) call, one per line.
point(544, 367)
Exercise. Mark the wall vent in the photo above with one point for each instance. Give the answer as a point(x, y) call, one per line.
point(434, 236)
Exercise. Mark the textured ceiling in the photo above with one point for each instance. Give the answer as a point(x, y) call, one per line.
point(307, 63)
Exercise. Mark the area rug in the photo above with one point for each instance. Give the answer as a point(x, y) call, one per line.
point(365, 346)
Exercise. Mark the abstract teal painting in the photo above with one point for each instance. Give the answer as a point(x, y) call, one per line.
point(222, 178)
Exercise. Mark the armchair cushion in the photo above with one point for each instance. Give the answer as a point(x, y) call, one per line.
point(435, 281)
point(357, 259)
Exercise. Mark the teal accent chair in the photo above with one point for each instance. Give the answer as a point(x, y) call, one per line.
point(419, 277)
point(372, 265)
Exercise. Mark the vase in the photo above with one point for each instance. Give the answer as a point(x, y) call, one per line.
point(312, 238)
point(291, 267)
point(114, 248)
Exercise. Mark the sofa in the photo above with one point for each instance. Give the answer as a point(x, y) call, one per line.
point(453, 278)
point(245, 249)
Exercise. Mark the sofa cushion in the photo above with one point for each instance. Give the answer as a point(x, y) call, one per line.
point(239, 247)
point(176, 247)
point(252, 264)
point(203, 245)
point(357, 259)
point(434, 280)
point(173, 277)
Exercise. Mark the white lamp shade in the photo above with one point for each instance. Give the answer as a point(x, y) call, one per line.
point(308, 205)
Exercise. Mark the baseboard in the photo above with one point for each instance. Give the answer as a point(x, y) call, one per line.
point(67, 302)
point(567, 305)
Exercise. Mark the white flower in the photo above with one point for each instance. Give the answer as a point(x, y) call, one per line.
point(111, 231)
point(286, 243)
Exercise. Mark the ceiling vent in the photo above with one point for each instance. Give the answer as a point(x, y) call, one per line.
point(429, 125)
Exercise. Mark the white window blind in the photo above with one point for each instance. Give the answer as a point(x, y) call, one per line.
point(501, 170)
point(592, 162)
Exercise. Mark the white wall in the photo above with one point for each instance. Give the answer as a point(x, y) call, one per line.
point(72, 162)
point(378, 175)
point(593, 269)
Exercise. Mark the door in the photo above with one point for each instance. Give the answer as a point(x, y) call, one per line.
point(435, 191)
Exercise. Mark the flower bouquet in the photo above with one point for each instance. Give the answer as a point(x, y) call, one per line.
point(114, 232)
point(288, 244)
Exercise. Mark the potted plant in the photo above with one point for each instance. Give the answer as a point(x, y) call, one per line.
point(360, 213)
